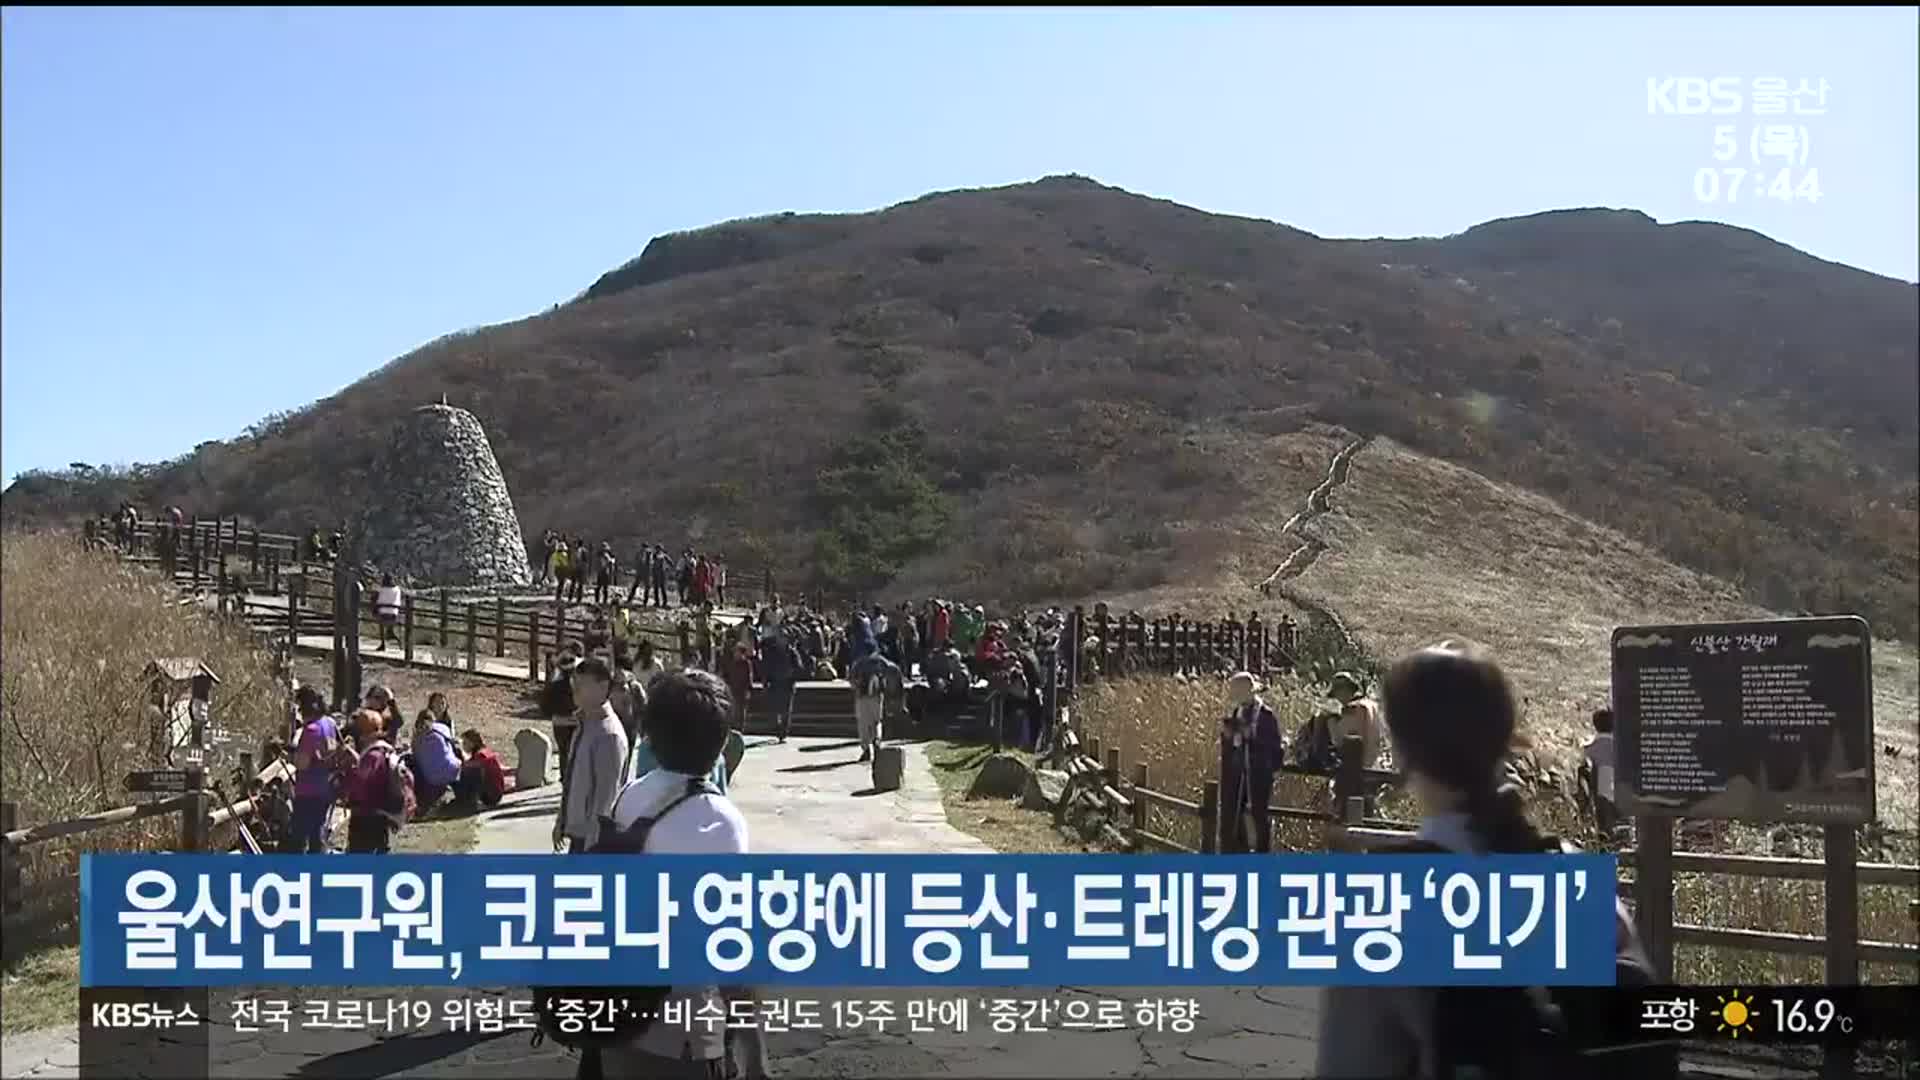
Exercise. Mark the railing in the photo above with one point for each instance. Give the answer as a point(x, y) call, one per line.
point(1102, 781)
point(201, 547)
point(199, 817)
point(1097, 775)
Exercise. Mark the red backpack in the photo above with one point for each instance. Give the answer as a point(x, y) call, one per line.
point(383, 784)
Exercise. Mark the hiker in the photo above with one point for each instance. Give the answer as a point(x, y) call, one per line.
point(560, 564)
point(1452, 714)
point(597, 767)
point(642, 573)
point(435, 759)
point(578, 564)
point(556, 700)
point(645, 663)
point(781, 664)
point(1251, 751)
point(684, 579)
point(386, 607)
point(482, 779)
point(605, 570)
point(687, 731)
point(657, 593)
point(719, 581)
point(314, 783)
point(737, 667)
point(1596, 771)
point(380, 700)
point(1359, 716)
point(380, 793)
point(874, 679)
point(628, 698)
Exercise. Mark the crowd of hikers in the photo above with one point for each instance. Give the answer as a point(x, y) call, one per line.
point(569, 563)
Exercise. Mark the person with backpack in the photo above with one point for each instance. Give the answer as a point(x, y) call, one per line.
point(874, 678)
point(579, 564)
point(780, 662)
point(674, 810)
point(1596, 772)
point(315, 784)
point(597, 767)
point(1453, 715)
point(380, 791)
point(1251, 751)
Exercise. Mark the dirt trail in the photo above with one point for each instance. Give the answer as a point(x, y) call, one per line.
point(1297, 562)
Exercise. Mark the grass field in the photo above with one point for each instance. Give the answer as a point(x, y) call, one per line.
point(1168, 724)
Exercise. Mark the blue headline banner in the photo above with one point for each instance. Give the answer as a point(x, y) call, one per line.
point(845, 920)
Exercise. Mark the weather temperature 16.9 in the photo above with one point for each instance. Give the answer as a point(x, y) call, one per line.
point(1809, 1016)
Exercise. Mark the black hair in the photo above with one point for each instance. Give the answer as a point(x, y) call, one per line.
point(1452, 715)
point(1603, 721)
point(594, 668)
point(310, 701)
point(645, 648)
point(686, 720)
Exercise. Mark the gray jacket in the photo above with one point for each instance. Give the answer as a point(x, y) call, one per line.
point(596, 771)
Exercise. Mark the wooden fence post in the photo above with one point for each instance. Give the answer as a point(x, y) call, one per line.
point(1210, 818)
point(1112, 771)
point(293, 619)
point(406, 625)
point(1093, 749)
point(193, 820)
point(473, 657)
point(533, 645)
point(499, 626)
point(1139, 801)
point(273, 572)
point(441, 641)
point(9, 866)
point(1843, 933)
point(1653, 890)
point(253, 555)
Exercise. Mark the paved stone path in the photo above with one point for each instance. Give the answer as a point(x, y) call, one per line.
point(809, 795)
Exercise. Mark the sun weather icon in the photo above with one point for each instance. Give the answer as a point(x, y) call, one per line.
point(1735, 1014)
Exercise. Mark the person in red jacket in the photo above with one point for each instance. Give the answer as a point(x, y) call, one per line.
point(482, 778)
point(942, 625)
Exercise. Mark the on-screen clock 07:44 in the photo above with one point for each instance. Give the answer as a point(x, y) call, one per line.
point(1733, 185)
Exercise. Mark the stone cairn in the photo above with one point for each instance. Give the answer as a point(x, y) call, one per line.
point(440, 513)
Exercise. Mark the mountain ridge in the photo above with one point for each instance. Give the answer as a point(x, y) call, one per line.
point(1066, 375)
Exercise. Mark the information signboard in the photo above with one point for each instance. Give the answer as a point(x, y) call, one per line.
point(1766, 721)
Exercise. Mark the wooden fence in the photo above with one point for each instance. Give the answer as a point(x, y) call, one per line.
point(477, 635)
point(199, 556)
point(199, 808)
point(1098, 775)
point(1135, 643)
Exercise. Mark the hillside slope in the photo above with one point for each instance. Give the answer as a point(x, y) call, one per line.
point(1420, 549)
point(1059, 389)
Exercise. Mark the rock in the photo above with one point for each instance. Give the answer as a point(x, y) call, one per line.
point(889, 762)
point(538, 764)
point(443, 514)
point(1044, 789)
point(1004, 776)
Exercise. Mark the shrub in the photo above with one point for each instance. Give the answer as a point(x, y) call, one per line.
point(77, 629)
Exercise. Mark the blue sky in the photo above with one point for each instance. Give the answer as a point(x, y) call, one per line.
point(212, 215)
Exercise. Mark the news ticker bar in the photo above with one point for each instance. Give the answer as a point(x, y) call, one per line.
point(1602, 1016)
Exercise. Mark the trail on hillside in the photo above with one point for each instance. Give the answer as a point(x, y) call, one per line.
point(1318, 502)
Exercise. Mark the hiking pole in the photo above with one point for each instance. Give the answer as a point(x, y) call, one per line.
point(247, 841)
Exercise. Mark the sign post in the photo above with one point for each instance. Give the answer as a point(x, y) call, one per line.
point(1765, 721)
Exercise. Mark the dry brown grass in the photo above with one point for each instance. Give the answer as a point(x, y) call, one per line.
point(1421, 549)
point(1168, 723)
point(76, 630)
